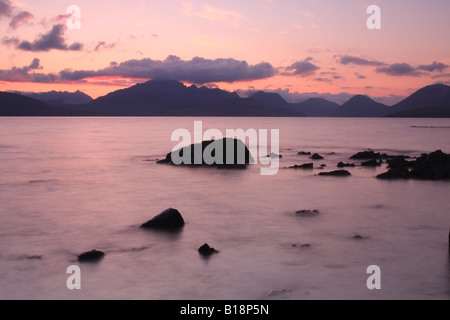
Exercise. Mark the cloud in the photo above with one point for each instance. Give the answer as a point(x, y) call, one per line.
point(211, 13)
point(54, 39)
point(360, 61)
point(360, 76)
point(302, 68)
point(103, 45)
point(22, 18)
point(5, 8)
point(198, 70)
point(398, 70)
point(23, 74)
point(307, 14)
point(435, 66)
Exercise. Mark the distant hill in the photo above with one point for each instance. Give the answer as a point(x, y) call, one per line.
point(434, 96)
point(172, 98)
point(427, 112)
point(269, 99)
point(12, 104)
point(316, 107)
point(363, 106)
point(59, 97)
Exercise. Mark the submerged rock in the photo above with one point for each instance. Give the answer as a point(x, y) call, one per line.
point(398, 173)
point(372, 163)
point(221, 153)
point(274, 155)
point(307, 213)
point(344, 165)
point(368, 155)
point(307, 166)
point(316, 156)
point(169, 219)
point(337, 173)
point(206, 250)
point(91, 256)
point(303, 153)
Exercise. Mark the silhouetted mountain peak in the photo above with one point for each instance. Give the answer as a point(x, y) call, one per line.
point(434, 96)
point(270, 99)
point(363, 106)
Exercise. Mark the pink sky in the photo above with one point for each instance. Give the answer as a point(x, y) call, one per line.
point(288, 46)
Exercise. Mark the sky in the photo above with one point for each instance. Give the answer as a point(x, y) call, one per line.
point(293, 47)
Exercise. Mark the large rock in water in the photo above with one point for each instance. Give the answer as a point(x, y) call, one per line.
point(169, 219)
point(221, 153)
point(91, 256)
point(433, 166)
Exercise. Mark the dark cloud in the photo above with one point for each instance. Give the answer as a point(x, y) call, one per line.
point(23, 74)
point(399, 69)
point(302, 68)
point(103, 45)
point(22, 18)
point(323, 80)
point(198, 70)
point(360, 61)
point(360, 76)
point(5, 8)
point(54, 39)
point(435, 66)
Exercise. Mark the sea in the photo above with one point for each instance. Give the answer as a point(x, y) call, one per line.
point(71, 185)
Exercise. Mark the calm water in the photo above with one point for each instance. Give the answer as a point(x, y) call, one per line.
point(69, 185)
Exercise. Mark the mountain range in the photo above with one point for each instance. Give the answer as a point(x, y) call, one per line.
point(172, 98)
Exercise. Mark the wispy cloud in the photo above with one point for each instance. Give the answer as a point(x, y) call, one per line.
point(20, 19)
point(435, 66)
point(303, 68)
point(398, 70)
point(212, 13)
point(359, 61)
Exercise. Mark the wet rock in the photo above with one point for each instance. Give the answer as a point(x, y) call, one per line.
point(398, 173)
point(91, 256)
point(206, 250)
point(366, 155)
point(316, 156)
point(397, 162)
point(344, 165)
point(307, 166)
point(305, 246)
point(307, 213)
point(169, 219)
point(303, 153)
point(337, 173)
point(372, 163)
point(357, 237)
point(274, 155)
point(435, 166)
point(205, 154)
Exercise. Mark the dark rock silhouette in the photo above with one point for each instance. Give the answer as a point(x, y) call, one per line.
point(397, 162)
point(307, 166)
point(206, 250)
point(433, 166)
point(303, 153)
point(307, 213)
point(344, 165)
point(91, 256)
point(316, 156)
point(366, 155)
point(169, 219)
point(242, 156)
point(397, 173)
point(372, 163)
point(357, 237)
point(337, 173)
